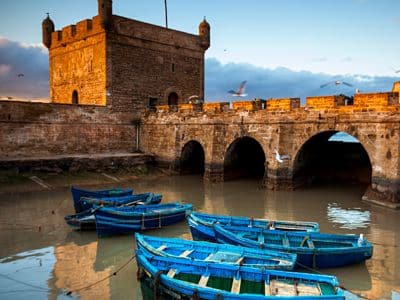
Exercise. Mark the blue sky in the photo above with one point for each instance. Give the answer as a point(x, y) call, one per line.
point(283, 41)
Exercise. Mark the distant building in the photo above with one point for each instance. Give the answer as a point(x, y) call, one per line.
point(123, 63)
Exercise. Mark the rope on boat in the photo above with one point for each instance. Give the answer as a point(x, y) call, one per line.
point(342, 287)
point(156, 285)
point(68, 293)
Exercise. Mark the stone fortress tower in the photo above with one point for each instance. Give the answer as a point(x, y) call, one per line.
point(122, 63)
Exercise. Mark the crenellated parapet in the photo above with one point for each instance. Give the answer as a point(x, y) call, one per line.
point(76, 32)
point(384, 102)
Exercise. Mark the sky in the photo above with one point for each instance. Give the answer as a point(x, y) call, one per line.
point(283, 48)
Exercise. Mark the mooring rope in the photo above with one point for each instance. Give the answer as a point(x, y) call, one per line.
point(68, 293)
point(321, 273)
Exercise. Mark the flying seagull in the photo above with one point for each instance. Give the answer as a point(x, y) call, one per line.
point(281, 158)
point(240, 91)
point(20, 75)
point(337, 82)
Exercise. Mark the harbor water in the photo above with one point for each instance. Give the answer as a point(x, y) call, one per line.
point(42, 258)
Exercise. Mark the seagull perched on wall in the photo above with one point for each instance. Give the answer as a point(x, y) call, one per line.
point(240, 91)
point(337, 82)
point(281, 158)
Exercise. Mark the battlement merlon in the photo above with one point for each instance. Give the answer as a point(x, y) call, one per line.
point(76, 32)
point(128, 28)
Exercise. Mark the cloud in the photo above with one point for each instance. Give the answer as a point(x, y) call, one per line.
point(347, 59)
point(281, 82)
point(29, 60)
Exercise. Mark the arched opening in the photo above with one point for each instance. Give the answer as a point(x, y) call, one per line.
point(244, 158)
point(192, 158)
point(173, 98)
point(332, 156)
point(74, 97)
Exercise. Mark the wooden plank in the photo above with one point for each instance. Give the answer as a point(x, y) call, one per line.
point(267, 289)
point(171, 273)
point(240, 260)
point(209, 256)
point(185, 253)
point(236, 285)
point(203, 280)
point(308, 289)
point(162, 247)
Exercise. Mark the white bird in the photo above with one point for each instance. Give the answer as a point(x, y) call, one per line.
point(281, 158)
point(240, 91)
point(337, 82)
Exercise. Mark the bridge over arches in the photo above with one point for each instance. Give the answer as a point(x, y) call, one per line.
point(249, 134)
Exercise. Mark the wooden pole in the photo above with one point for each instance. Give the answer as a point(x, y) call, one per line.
point(166, 14)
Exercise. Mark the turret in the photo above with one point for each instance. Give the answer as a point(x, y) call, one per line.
point(204, 33)
point(105, 13)
point(47, 29)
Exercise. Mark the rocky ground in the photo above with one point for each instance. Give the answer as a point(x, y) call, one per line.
point(11, 181)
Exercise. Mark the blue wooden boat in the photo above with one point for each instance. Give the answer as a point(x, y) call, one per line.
point(201, 224)
point(314, 250)
point(117, 220)
point(193, 279)
point(212, 252)
point(86, 221)
point(77, 193)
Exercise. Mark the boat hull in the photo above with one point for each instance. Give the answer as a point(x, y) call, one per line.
point(181, 279)
point(78, 193)
point(120, 220)
point(200, 224)
point(213, 252)
point(323, 254)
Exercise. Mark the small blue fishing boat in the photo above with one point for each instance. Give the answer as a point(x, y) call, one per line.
point(212, 252)
point(314, 250)
point(117, 220)
point(193, 279)
point(201, 224)
point(86, 221)
point(77, 193)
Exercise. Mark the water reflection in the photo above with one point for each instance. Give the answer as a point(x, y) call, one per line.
point(16, 274)
point(56, 259)
point(349, 218)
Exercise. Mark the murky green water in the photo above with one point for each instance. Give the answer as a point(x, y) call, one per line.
point(40, 257)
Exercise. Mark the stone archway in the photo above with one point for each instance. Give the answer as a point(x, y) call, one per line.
point(244, 158)
point(323, 159)
point(192, 158)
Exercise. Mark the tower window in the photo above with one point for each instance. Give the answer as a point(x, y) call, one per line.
point(173, 98)
point(74, 97)
point(152, 103)
point(173, 67)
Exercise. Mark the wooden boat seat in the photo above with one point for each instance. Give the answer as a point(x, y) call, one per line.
point(171, 273)
point(236, 285)
point(240, 260)
point(310, 244)
point(185, 253)
point(282, 288)
point(203, 280)
point(162, 247)
point(267, 289)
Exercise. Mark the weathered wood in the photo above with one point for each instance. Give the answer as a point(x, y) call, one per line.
point(162, 247)
point(171, 273)
point(185, 253)
point(203, 280)
point(236, 285)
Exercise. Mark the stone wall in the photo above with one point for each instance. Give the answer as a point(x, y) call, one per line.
point(148, 61)
point(78, 63)
point(34, 130)
point(164, 133)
